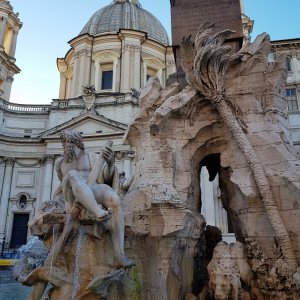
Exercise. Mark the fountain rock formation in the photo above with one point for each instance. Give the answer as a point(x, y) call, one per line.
point(233, 108)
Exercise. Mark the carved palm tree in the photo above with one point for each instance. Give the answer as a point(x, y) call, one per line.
point(205, 65)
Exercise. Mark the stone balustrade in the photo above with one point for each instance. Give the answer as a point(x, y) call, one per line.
point(57, 104)
point(24, 108)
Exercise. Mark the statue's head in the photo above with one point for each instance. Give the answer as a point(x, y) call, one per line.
point(71, 139)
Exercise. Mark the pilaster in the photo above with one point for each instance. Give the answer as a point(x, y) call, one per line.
point(48, 161)
point(9, 164)
point(3, 23)
point(295, 65)
point(7, 87)
point(13, 43)
point(75, 76)
point(97, 76)
point(82, 62)
point(126, 68)
point(137, 67)
point(62, 87)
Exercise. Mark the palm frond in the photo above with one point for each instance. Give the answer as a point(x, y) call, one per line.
point(206, 63)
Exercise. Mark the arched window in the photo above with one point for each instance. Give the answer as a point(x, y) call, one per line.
point(106, 64)
point(22, 201)
point(153, 67)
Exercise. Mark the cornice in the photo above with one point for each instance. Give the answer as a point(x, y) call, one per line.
point(20, 140)
point(89, 137)
point(9, 64)
point(124, 33)
point(286, 44)
point(84, 38)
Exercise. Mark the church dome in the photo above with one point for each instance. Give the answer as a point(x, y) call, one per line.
point(125, 14)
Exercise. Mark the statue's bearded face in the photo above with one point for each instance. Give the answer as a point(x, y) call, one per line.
point(69, 152)
point(71, 139)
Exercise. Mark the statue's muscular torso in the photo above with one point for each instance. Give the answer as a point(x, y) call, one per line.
point(82, 163)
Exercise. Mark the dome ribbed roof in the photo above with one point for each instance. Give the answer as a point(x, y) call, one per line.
point(125, 15)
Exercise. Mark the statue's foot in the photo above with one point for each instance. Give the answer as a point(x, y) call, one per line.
point(123, 262)
point(102, 216)
point(106, 216)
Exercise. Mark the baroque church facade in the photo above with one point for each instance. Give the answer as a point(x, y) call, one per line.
point(99, 78)
point(119, 48)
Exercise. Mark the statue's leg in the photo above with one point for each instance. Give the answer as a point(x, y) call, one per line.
point(38, 291)
point(106, 196)
point(77, 187)
point(67, 193)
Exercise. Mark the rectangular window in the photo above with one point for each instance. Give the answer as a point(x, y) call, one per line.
point(107, 76)
point(291, 98)
point(107, 79)
point(27, 133)
point(288, 64)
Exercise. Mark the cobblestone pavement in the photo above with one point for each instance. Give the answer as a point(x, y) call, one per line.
point(10, 289)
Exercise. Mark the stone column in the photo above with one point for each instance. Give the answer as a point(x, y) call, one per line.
point(127, 167)
point(295, 66)
point(7, 87)
point(145, 74)
point(82, 70)
point(75, 76)
point(68, 85)
point(62, 87)
point(47, 178)
point(126, 69)
point(115, 65)
point(97, 76)
point(137, 67)
point(3, 22)
point(9, 163)
point(13, 43)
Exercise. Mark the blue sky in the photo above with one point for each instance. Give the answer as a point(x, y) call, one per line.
point(49, 25)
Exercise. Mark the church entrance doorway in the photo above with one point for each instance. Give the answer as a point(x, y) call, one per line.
point(19, 230)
